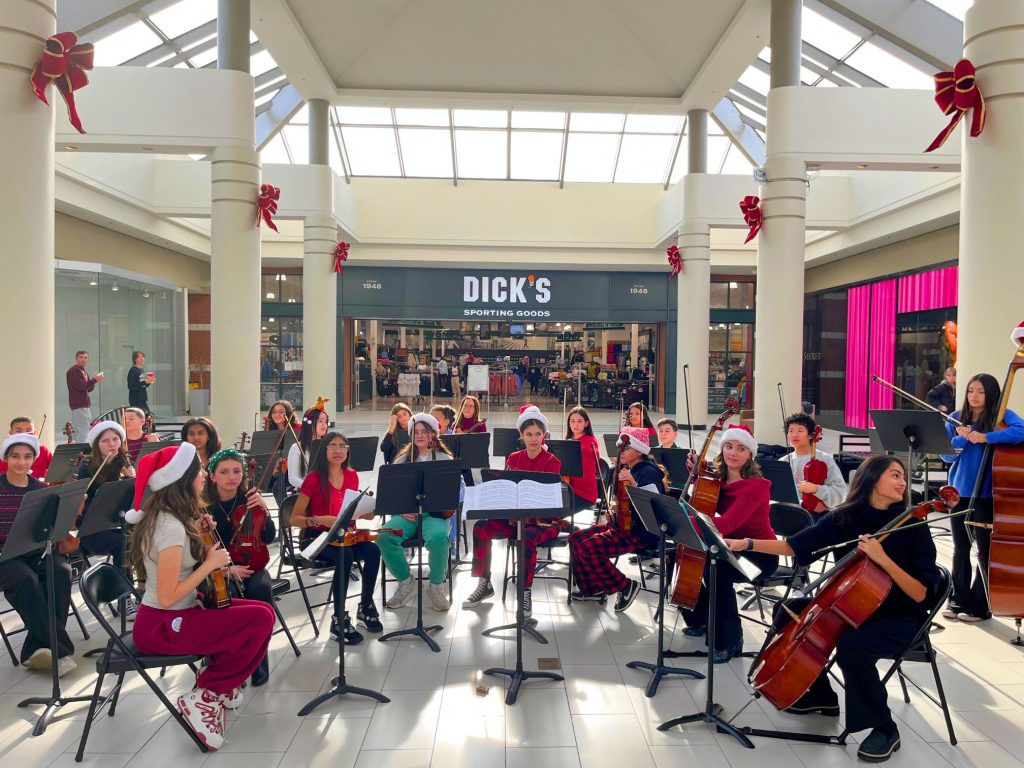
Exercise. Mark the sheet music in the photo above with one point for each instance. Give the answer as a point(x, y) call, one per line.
point(316, 546)
point(506, 494)
point(650, 487)
point(533, 495)
point(366, 507)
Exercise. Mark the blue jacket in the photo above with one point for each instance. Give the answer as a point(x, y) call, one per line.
point(966, 465)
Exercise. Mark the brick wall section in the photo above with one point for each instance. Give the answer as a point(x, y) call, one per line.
point(199, 339)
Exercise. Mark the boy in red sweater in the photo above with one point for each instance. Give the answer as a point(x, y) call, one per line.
point(23, 425)
point(533, 428)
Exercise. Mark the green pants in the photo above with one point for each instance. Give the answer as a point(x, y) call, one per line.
point(435, 536)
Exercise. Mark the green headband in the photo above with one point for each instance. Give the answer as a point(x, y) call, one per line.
point(227, 453)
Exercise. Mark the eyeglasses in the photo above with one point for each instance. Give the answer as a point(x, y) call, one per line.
point(338, 447)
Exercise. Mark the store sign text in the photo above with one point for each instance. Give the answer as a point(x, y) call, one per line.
point(505, 290)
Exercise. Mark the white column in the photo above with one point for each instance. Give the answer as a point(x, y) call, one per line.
point(320, 309)
point(693, 286)
point(26, 217)
point(991, 270)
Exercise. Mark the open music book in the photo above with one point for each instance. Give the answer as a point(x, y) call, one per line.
point(506, 494)
point(367, 505)
point(741, 564)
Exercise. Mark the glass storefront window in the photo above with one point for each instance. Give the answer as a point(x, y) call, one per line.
point(281, 364)
point(719, 295)
point(282, 288)
point(922, 354)
point(730, 361)
point(741, 295)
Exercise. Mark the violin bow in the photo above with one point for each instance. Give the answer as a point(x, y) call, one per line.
point(686, 393)
point(792, 465)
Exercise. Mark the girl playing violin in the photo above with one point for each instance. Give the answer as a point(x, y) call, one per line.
point(592, 549)
point(877, 496)
point(742, 511)
point(108, 461)
point(319, 502)
point(637, 416)
point(584, 488)
point(800, 429)
point(202, 433)
point(969, 600)
point(533, 427)
point(314, 427)
point(397, 436)
point(469, 417)
point(169, 554)
point(225, 491)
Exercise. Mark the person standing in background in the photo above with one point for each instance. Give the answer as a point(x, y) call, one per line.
point(943, 396)
point(80, 384)
point(139, 382)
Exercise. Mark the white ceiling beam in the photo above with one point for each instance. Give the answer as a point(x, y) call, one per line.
point(279, 111)
point(279, 31)
point(739, 132)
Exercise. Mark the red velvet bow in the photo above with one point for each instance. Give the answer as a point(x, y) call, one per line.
point(674, 261)
point(750, 206)
point(957, 92)
point(266, 205)
point(63, 63)
point(340, 255)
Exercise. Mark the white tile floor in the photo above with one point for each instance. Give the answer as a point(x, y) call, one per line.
point(440, 716)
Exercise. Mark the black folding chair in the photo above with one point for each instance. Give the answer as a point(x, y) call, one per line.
point(559, 542)
point(102, 584)
point(292, 562)
point(786, 520)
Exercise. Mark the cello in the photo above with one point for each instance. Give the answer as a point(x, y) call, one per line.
point(246, 547)
point(815, 470)
point(705, 485)
point(848, 594)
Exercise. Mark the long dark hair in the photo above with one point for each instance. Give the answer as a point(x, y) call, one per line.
point(180, 501)
point(306, 435)
point(868, 474)
point(318, 464)
point(645, 418)
point(587, 429)
point(987, 422)
point(289, 414)
point(212, 436)
point(115, 467)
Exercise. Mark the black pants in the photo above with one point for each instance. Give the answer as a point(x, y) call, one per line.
point(106, 543)
point(369, 557)
point(969, 593)
point(728, 628)
point(23, 581)
point(857, 655)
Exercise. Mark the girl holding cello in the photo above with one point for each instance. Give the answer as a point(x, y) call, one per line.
point(742, 511)
point(969, 600)
point(878, 496)
point(592, 549)
point(224, 492)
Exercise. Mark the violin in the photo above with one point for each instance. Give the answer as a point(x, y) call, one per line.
point(360, 535)
point(242, 441)
point(706, 486)
point(216, 593)
point(246, 547)
point(815, 471)
point(849, 594)
point(623, 513)
point(69, 432)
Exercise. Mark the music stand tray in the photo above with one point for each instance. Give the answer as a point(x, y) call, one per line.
point(62, 466)
point(570, 453)
point(674, 460)
point(918, 431)
point(506, 441)
point(780, 475)
point(471, 449)
point(148, 448)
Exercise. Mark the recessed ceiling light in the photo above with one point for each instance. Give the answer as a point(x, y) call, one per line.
point(862, 165)
point(114, 287)
point(71, 147)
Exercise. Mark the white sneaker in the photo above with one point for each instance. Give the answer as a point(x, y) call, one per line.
point(438, 597)
point(232, 700)
point(203, 712)
point(65, 664)
point(404, 595)
point(40, 659)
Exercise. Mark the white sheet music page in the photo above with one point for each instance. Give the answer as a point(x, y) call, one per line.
point(534, 495)
point(494, 494)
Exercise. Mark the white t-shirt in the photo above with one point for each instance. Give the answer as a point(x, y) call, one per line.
point(295, 473)
point(169, 532)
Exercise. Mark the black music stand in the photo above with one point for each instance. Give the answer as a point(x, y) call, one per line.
point(663, 514)
point(267, 446)
point(717, 553)
point(362, 452)
point(570, 453)
point(674, 460)
point(44, 518)
point(518, 675)
point(419, 488)
point(471, 449)
point(148, 448)
point(62, 466)
point(780, 475)
point(340, 685)
point(916, 432)
point(506, 441)
point(611, 444)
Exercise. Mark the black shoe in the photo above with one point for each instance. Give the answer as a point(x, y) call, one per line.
point(723, 656)
point(627, 596)
point(879, 745)
point(367, 617)
point(351, 635)
point(262, 673)
point(527, 603)
point(695, 631)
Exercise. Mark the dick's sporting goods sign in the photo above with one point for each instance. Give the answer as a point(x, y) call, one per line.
point(505, 296)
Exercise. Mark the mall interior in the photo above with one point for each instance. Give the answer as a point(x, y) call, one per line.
point(360, 201)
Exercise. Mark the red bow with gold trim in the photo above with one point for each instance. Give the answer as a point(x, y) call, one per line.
point(63, 63)
point(674, 261)
point(340, 255)
point(750, 207)
point(266, 205)
point(956, 93)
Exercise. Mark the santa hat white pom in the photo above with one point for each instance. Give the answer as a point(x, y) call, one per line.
point(742, 435)
point(530, 412)
point(427, 419)
point(1017, 335)
point(637, 438)
point(20, 438)
point(102, 426)
point(157, 471)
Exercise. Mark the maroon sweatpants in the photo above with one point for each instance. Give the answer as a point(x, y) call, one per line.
point(486, 531)
point(235, 639)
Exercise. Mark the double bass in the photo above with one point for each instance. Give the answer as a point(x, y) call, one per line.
point(246, 547)
point(705, 485)
point(849, 594)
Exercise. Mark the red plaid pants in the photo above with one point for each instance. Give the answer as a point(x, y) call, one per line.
point(486, 531)
point(591, 551)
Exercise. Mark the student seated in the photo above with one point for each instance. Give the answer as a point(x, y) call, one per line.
point(668, 431)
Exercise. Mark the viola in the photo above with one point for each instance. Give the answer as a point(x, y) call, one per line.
point(623, 516)
point(815, 471)
point(849, 594)
point(246, 547)
point(216, 593)
point(706, 486)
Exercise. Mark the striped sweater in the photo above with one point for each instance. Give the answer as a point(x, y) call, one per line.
point(10, 500)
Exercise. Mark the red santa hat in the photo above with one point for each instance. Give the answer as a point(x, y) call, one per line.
point(157, 471)
point(531, 412)
point(742, 435)
point(1017, 335)
point(637, 438)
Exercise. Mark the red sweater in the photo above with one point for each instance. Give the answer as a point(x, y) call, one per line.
point(39, 466)
point(80, 384)
point(743, 509)
point(586, 487)
point(545, 462)
point(318, 505)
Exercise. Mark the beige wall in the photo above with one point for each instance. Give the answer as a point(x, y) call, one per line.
point(932, 249)
point(78, 240)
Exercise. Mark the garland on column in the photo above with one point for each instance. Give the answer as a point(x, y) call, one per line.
point(266, 205)
point(63, 63)
point(674, 261)
point(340, 255)
point(957, 93)
point(750, 207)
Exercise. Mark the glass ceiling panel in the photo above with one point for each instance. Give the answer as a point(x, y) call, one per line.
point(826, 35)
point(371, 151)
point(756, 79)
point(260, 63)
point(426, 152)
point(365, 115)
point(184, 16)
point(654, 124)
point(481, 154)
point(644, 159)
point(481, 118)
point(553, 120)
point(590, 121)
point(736, 163)
point(680, 168)
point(421, 116)
point(887, 69)
point(275, 151)
point(125, 44)
point(717, 147)
point(536, 155)
point(208, 56)
point(591, 156)
point(335, 154)
point(297, 137)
